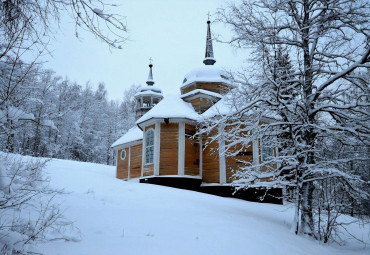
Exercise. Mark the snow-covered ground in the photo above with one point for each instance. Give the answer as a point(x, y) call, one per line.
point(118, 217)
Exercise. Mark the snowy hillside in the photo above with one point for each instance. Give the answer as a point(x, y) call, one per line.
point(117, 217)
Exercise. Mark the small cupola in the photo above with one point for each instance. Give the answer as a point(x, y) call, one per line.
point(148, 96)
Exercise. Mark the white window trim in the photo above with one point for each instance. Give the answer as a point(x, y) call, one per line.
point(146, 132)
point(200, 155)
point(143, 155)
point(181, 149)
point(276, 150)
point(261, 153)
point(129, 163)
point(221, 155)
point(117, 159)
point(256, 157)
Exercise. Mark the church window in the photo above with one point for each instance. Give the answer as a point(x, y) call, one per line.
point(266, 149)
point(123, 154)
point(149, 146)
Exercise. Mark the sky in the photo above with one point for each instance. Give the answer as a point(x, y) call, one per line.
point(172, 33)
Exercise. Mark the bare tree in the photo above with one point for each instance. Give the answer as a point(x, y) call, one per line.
point(26, 27)
point(297, 113)
point(34, 20)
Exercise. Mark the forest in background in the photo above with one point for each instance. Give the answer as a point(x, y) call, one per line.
point(45, 115)
point(42, 114)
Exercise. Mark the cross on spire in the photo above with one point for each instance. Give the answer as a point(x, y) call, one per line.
point(150, 60)
point(209, 15)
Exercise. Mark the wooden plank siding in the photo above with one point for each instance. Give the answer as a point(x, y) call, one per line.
point(234, 163)
point(148, 170)
point(191, 152)
point(168, 158)
point(136, 157)
point(135, 163)
point(201, 104)
point(211, 166)
point(122, 165)
point(214, 87)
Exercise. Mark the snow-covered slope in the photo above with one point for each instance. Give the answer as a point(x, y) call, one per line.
point(117, 217)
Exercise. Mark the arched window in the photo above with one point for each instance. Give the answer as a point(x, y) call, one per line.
point(149, 146)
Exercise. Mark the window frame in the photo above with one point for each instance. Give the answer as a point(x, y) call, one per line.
point(123, 158)
point(149, 146)
point(268, 141)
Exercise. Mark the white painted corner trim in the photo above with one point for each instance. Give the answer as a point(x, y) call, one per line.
point(143, 154)
point(221, 154)
point(181, 149)
point(129, 163)
point(200, 155)
point(256, 157)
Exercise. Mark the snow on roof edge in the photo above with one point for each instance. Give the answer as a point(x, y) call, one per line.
point(207, 92)
point(172, 106)
point(133, 134)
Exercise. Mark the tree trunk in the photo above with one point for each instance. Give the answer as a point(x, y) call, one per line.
point(307, 223)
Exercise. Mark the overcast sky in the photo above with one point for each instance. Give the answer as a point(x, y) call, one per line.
point(173, 33)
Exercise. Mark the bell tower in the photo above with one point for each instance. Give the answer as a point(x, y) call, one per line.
point(148, 96)
point(204, 86)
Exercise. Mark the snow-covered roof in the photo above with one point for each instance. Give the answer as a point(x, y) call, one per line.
point(230, 104)
point(148, 93)
point(152, 88)
point(132, 135)
point(149, 90)
point(202, 91)
point(207, 73)
point(223, 107)
point(172, 106)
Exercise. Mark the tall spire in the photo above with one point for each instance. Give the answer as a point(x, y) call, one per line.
point(150, 80)
point(209, 57)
